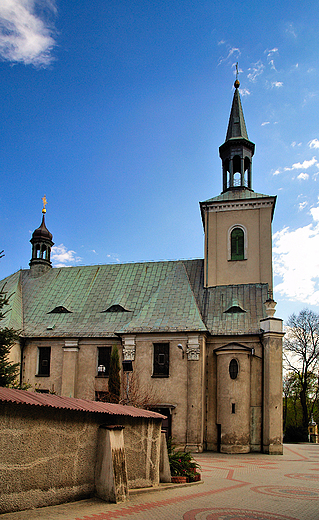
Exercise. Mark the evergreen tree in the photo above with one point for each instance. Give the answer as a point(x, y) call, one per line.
point(8, 370)
point(114, 376)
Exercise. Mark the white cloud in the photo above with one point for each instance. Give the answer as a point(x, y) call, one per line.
point(265, 123)
point(276, 84)
point(296, 261)
point(305, 165)
point(302, 205)
point(293, 144)
point(290, 30)
point(113, 257)
point(271, 52)
point(255, 71)
point(277, 172)
point(232, 52)
point(272, 65)
point(244, 92)
point(314, 143)
point(315, 213)
point(62, 257)
point(26, 36)
point(303, 176)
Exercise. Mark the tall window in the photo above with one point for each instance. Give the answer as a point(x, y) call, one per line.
point(161, 360)
point(103, 361)
point(44, 357)
point(237, 240)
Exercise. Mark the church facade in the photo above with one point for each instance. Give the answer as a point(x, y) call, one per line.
point(198, 337)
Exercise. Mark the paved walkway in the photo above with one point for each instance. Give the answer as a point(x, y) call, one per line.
point(234, 487)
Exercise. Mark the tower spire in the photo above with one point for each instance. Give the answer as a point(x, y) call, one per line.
point(41, 246)
point(237, 151)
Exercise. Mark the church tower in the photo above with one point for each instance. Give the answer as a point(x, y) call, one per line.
point(237, 223)
point(41, 247)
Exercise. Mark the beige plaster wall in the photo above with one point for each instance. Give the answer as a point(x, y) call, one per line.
point(241, 431)
point(257, 267)
point(72, 373)
point(184, 389)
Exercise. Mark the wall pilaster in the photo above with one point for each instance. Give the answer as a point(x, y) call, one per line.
point(272, 398)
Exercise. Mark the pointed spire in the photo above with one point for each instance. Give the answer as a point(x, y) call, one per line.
point(237, 151)
point(236, 125)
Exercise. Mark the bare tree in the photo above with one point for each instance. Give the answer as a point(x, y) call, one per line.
point(301, 354)
point(140, 394)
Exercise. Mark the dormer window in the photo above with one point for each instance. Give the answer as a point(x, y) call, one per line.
point(235, 309)
point(60, 310)
point(116, 308)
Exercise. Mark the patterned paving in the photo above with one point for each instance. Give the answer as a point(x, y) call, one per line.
point(288, 492)
point(248, 487)
point(304, 476)
point(231, 514)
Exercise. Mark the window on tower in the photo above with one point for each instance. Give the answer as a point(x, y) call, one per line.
point(237, 239)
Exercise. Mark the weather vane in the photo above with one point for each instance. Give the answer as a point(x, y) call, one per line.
point(236, 84)
point(44, 200)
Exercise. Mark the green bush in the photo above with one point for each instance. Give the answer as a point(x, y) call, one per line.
point(182, 463)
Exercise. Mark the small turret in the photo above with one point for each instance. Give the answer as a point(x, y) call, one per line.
point(237, 151)
point(41, 247)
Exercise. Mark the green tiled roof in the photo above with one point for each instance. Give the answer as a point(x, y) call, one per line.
point(238, 194)
point(157, 297)
point(236, 126)
point(14, 315)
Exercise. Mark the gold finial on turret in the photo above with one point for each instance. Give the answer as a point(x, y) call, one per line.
point(44, 200)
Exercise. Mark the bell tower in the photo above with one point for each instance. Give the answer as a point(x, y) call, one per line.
point(41, 246)
point(237, 151)
point(237, 223)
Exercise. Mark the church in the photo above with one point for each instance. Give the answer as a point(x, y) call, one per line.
point(198, 336)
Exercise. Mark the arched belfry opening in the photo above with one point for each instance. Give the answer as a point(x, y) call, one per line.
point(237, 151)
point(41, 246)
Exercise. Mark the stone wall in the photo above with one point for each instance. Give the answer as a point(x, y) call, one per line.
point(48, 456)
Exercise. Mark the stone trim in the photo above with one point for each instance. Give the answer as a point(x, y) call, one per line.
point(71, 345)
point(193, 348)
point(129, 348)
point(238, 205)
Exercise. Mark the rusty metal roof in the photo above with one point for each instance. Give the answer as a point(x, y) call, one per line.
point(70, 403)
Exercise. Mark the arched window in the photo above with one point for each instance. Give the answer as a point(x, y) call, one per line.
point(237, 239)
point(233, 369)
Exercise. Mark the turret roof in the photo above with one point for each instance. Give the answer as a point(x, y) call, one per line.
point(236, 126)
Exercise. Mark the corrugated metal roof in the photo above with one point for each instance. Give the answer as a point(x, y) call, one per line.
point(71, 403)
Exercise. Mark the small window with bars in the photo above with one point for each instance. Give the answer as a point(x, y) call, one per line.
point(161, 360)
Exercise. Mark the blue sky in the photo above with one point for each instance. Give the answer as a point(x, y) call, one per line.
point(115, 111)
